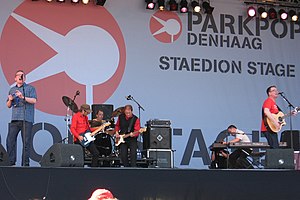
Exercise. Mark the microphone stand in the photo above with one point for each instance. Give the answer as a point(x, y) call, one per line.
point(24, 128)
point(291, 107)
point(227, 149)
point(139, 106)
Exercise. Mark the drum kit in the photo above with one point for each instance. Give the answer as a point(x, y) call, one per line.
point(105, 140)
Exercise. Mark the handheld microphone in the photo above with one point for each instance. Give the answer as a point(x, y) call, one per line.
point(21, 77)
point(280, 93)
point(129, 97)
point(77, 92)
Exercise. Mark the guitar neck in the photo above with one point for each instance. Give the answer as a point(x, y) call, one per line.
point(128, 134)
point(99, 129)
point(290, 113)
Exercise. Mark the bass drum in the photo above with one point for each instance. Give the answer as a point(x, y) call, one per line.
point(104, 144)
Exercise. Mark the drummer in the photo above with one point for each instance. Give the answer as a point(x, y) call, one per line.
point(98, 121)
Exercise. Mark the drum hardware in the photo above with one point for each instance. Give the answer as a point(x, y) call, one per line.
point(117, 112)
point(71, 105)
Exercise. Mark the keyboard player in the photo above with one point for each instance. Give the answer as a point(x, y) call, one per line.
point(237, 159)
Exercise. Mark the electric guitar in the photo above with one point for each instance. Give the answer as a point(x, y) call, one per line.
point(88, 136)
point(120, 139)
point(280, 119)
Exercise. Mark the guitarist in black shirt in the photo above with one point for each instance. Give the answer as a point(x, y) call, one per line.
point(128, 123)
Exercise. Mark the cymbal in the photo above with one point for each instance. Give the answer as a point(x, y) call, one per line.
point(70, 103)
point(117, 112)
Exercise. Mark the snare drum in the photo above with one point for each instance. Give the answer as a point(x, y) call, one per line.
point(104, 144)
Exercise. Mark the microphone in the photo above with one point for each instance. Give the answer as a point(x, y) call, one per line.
point(77, 92)
point(129, 97)
point(280, 93)
point(21, 77)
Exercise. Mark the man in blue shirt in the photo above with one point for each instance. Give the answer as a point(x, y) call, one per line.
point(21, 99)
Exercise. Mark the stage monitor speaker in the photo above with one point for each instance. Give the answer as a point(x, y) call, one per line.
point(106, 108)
point(4, 160)
point(157, 138)
point(286, 137)
point(163, 158)
point(63, 155)
point(279, 159)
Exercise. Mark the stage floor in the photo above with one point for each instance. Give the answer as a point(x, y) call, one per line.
point(148, 184)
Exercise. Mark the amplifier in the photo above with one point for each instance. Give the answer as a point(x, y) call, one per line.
point(158, 123)
point(163, 157)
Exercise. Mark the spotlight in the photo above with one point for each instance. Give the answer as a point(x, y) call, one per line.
point(173, 5)
point(85, 1)
point(196, 6)
point(161, 5)
point(293, 15)
point(251, 11)
point(150, 4)
point(100, 2)
point(272, 13)
point(184, 6)
point(49, 0)
point(207, 8)
point(73, 1)
point(61, 1)
point(262, 12)
point(283, 15)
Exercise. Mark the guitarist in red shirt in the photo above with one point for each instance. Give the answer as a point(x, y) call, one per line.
point(269, 107)
point(128, 123)
point(80, 125)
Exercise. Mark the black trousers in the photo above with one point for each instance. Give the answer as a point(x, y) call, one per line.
point(94, 151)
point(131, 144)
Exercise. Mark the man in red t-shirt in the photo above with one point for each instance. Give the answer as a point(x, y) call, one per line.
point(269, 107)
point(80, 125)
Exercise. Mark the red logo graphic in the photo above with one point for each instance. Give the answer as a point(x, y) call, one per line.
point(165, 26)
point(64, 48)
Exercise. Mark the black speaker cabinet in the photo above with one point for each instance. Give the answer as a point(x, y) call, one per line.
point(157, 138)
point(63, 155)
point(286, 137)
point(106, 108)
point(163, 158)
point(4, 161)
point(279, 159)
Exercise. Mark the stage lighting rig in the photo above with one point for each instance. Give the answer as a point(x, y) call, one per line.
point(262, 12)
point(184, 6)
point(294, 17)
point(207, 8)
point(272, 13)
point(196, 6)
point(150, 4)
point(173, 5)
point(161, 5)
point(100, 2)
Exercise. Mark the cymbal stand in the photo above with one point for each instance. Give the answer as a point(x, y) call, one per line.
point(68, 123)
point(67, 140)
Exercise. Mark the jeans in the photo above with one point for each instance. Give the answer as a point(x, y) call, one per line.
point(11, 141)
point(272, 139)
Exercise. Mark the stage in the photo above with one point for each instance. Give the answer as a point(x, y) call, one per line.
point(148, 183)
